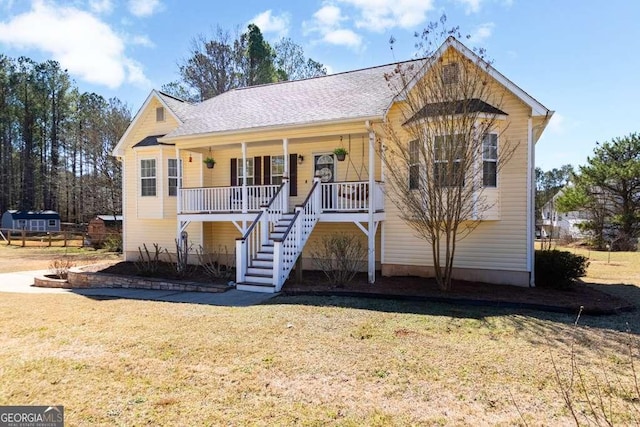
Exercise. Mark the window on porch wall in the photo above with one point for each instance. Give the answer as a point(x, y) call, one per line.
point(277, 169)
point(249, 171)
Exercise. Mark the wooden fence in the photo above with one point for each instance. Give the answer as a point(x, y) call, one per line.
point(43, 239)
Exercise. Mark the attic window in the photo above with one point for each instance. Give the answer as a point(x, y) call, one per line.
point(450, 73)
point(160, 114)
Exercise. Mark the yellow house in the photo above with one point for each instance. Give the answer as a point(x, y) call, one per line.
point(277, 185)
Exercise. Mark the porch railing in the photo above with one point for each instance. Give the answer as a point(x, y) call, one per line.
point(351, 196)
point(257, 234)
point(287, 248)
point(225, 199)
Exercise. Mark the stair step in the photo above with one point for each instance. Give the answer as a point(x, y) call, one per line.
point(256, 287)
point(260, 271)
point(264, 256)
point(254, 278)
point(266, 249)
point(276, 235)
point(262, 263)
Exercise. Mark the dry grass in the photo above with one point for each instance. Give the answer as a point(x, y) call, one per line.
point(295, 361)
point(16, 258)
point(303, 361)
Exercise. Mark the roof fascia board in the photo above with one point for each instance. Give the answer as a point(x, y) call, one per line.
point(173, 139)
point(118, 149)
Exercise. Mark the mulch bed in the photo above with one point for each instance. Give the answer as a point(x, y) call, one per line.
point(421, 289)
point(468, 293)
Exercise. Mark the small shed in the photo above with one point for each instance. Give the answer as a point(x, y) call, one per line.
point(102, 226)
point(31, 220)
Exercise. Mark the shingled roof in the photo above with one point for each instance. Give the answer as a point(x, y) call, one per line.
point(180, 108)
point(360, 94)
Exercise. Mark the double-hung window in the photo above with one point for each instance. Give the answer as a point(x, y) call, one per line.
point(245, 172)
point(172, 174)
point(448, 152)
point(277, 169)
point(414, 165)
point(148, 177)
point(490, 160)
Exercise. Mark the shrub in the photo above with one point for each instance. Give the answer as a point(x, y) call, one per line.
point(113, 243)
point(218, 264)
point(339, 256)
point(148, 263)
point(559, 269)
point(60, 267)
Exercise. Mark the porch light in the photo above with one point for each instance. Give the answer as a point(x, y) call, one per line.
point(190, 158)
point(300, 159)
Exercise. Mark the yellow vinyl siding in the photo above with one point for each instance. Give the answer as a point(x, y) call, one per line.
point(499, 244)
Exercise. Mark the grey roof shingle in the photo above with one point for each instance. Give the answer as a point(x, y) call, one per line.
point(473, 105)
point(149, 141)
point(180, 108)
point(350, 95)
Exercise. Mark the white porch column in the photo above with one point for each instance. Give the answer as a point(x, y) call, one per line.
point(371, 237)
point(285, 189)
point(245, 201)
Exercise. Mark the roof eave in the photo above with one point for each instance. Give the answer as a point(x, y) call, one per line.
point(171, 139)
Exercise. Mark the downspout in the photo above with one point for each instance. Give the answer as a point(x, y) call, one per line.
point(530, 203)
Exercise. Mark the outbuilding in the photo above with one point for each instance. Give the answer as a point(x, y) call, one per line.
point(31, 220)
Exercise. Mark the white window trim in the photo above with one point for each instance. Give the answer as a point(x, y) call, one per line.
point(414, 164)
point(154, 177)
point(483, 160)
point(271, 166)
point(170, 177)
point(445, 161)
point(240, 167)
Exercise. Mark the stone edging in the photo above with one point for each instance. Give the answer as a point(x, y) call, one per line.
point(84, 278)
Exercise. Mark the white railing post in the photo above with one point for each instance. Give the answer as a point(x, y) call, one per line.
point(241, 260)
point(299, 228)
point(285, 195)
point(277, 263)
point(264, 226)
point(317, 195)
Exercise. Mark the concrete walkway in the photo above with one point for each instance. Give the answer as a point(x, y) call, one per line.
point(22, 281)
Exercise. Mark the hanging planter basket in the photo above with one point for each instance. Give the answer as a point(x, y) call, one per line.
point(210, 163)
point(340, 153)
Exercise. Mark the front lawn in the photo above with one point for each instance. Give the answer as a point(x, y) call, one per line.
point(303, 361)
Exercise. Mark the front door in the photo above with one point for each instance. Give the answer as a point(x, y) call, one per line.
point(325, 168)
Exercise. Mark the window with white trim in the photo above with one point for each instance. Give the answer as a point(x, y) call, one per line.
point(147, 177)
point(448, 148)
point(38, 225)
point(490, 160)
point(248, 171)
point(277, 169)
point(414, 165)
point(172, 176)
point(52, 223)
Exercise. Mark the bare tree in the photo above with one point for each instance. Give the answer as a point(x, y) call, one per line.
point(439, 162)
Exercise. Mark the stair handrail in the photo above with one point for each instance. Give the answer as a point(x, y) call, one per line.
point(287, 249)
point(257, 233)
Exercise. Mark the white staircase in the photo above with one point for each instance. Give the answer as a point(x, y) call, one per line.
point(259, 275)
point(267, 252)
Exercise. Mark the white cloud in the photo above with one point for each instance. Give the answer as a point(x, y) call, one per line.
point(142, 40)
point(481, 33)
point(101, 6)
point(471, 6)
point(327, 22)
point(329, 15)
point(381, 15)
point(142, 8)
point(557, 124)
point(270, 23)
point(79, 41)
point(343, 37)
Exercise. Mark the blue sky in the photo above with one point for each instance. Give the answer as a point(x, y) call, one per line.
point(579, 58)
